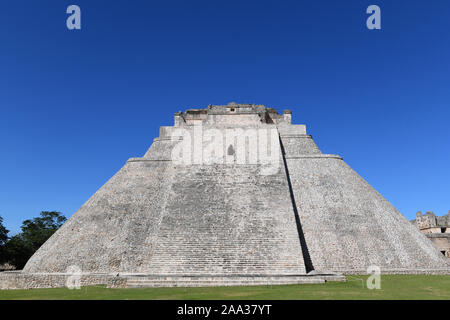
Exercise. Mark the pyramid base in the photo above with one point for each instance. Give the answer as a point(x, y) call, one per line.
point(149, 281)
point(22, 280)
point(402, 271)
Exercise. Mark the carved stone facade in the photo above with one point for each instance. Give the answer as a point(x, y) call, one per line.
point(435, 228)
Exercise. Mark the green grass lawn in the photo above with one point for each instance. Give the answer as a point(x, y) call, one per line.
point(392, 287)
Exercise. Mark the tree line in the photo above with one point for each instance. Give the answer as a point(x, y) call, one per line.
point(16, 250)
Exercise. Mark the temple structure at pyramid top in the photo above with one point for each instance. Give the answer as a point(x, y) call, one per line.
point(232, 194)
point(233, 114)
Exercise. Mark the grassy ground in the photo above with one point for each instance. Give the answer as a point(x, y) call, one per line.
point(392, 287)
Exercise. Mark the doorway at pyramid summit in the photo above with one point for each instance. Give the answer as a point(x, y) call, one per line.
point(230, 195)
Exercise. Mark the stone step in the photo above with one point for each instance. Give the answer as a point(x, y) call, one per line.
point(150, 284)
point(211, 281)
point(222, 219)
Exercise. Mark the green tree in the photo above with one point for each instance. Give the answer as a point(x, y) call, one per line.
point(3, 239)
point(19, 248)
point(16, 251)
point(3, 233)
point(36, 231)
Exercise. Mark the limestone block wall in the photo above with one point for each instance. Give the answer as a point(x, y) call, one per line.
point(349, 226)
point(161, 149)
point(114, 230)
point(441, 241)
point(21, 280)
point(299, 145)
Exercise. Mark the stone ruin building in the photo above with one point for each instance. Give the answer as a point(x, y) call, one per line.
point(199, 208)
point(437, 229)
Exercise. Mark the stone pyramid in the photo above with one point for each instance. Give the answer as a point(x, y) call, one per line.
point(236, 192)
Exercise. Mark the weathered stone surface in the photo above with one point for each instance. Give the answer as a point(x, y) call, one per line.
point(221, 220)
point(230, 220)
point(349, 226)
point(21, 280)
point(436, 229)
point(115, 229)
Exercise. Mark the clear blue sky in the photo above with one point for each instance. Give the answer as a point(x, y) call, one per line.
point(75, 105)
